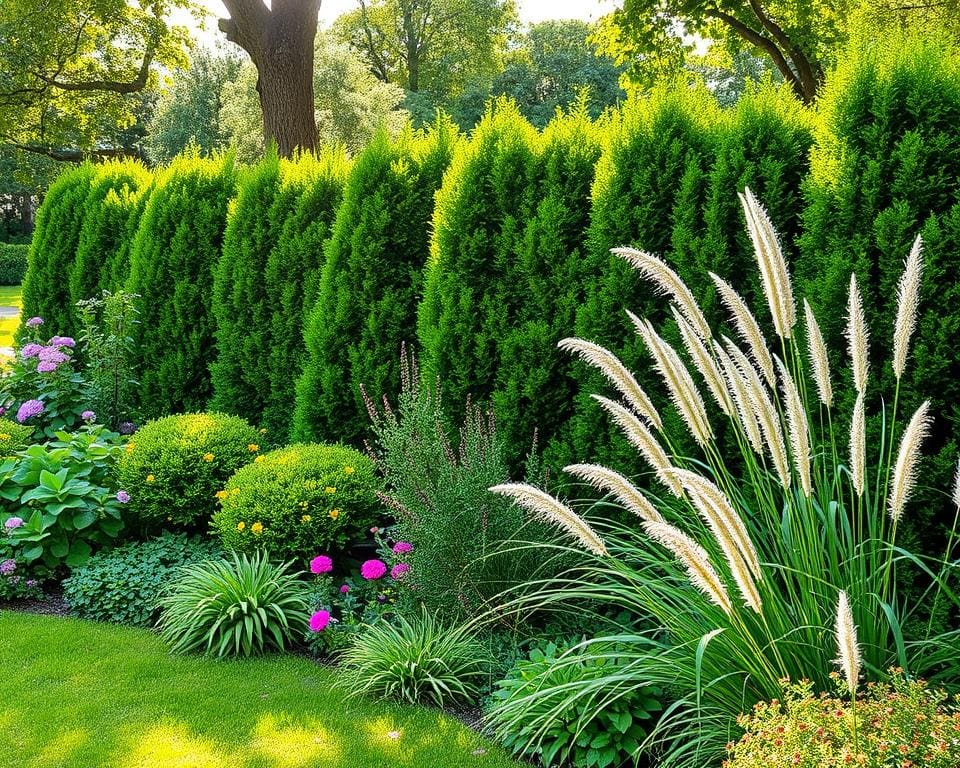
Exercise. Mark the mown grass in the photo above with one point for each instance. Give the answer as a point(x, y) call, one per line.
point(75, 694)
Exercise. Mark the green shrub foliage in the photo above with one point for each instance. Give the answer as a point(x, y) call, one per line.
point(501, 287)
point(13, 263)
point(298, 502)
point(123, 585)
point(886, 166)
point(371, 280)
point(103, 249)
point(174, 466)
point(172, 259)
point(14, 436)
point(46, 287)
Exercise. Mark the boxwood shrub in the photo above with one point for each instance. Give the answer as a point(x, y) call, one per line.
point(14, 436)
point(13, 263)
point(174, 466)
point(298, 502)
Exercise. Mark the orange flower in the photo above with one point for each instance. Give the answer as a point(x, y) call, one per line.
point(334, 514)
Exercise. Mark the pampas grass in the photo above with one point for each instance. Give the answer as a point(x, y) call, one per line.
point(908, 296)
point(858, 446)
point(905, 471)
point(747, 326)
point(819, 361)
point(704, 363)
point(848, 649)
point(612, 482)
point(858, 338)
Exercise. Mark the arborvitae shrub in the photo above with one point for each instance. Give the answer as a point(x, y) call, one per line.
point(105, 236)
point(46, 287)
point(650, 185)
point(172, 260)
point(886, 166)
point(502, 284)
point(293, 275)
point(13, 263)
point(371, 280)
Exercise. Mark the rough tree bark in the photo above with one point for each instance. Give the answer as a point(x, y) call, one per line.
point(279, 41)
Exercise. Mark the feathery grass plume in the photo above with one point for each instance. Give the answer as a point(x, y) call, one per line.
point(669, 284)
point(703, 489)
point(858, 446)
point(765, 412)
point(613, 482)
point(683, 391)
point(849, 651)
point(548, 509)
point(905, 472)
point(747, 326)
point(741, 399)
point(618, 375)
point(908, 296)
point(641, 438)
point(818, 357)
point(773, 267)
point(799, 429)
point(956, 485)
point(694, 558)
point(858, 338)
point(704, 363)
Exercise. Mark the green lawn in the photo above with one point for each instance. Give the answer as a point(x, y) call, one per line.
point(75, 694)
point(9, 297)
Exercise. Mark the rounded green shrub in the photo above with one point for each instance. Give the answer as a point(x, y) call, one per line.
point(123, 585)
point(173, 467)
point(13, 263)
point(370, 283)
point(14, 436)
point(105, 236)
point(299, 501)
point(46, 287)
point(172, 260)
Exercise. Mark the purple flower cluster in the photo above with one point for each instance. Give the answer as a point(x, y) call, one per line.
point(123, 497)
point(30, 350)
point(29, 409)
point(13, 522)
point(34, 322)
point(62, 341)
point(7, 567)
point(88, 416)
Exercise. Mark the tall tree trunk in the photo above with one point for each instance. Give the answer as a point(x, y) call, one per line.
point(413, 49)
point(279, 41)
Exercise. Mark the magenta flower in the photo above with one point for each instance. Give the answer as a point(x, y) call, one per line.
point(34, 322)
point(8, 566)
point(86, 415)
point(30, 350)
point(45, 366)
point(123, 497)
point(372, 570)
point(13, 522)
point(399, 570)
point(344, 589)
point(319, 621)
point(62, 341)
point(402, 547)
point(321, 564)
point(29, 409)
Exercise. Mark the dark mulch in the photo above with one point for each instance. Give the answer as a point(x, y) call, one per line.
point(52, 603)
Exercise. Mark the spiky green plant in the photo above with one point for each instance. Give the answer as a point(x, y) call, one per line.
point(740, 570)
point(238, 607)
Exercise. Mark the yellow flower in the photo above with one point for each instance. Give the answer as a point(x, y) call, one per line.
point(150, 478)
point(129, 447)
point(241, 525)
point(330, 489)
point(257, 528)
point(263, 431)
point(349, 470)
point(259, 458)
point(208, 457)
point(4, 436)
point(306, 519)
point(222, 495)
point(304, 504)
point(334, 514)
point(253, 447)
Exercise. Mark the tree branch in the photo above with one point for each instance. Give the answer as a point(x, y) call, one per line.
point(113, 86)
point(804, 69)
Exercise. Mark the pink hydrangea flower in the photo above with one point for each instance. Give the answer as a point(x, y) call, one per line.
point(45, 366)
point(13, 522)
point(30, 350)
point(88, 415)
point(123, 497)
point(402, 547)
point(344, 589)
point(34, 322)
point(399, 570)
point(321, 564)
point(29, 409)
point(319, 621)
point(372, 570)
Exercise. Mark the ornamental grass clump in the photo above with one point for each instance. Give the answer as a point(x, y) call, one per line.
point(785, 524)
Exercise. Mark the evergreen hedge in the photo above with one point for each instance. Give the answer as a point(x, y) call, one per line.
point(13, 263)
point(371, 280)
point(46, 287)
point(172, 260)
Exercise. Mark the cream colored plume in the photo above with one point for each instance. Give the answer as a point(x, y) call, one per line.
point(747, 326)
point(764, 411)
point(669, 284)
point(642, 439)
point(905, 471)
point(704, 363)
point(849, 650)
point(858, 446)
point(612, 482)
point(618, 375)
point(908, 298)
point(818, 357)
point(694, 558)
point(773, 267)
point(683, 391)
point(547, 508)
point(799, 430)
point(956, 486)
point(858, 338)
point(741, 399)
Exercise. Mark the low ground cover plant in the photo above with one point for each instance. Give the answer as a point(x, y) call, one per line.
point(14, 585)
point(14, 436)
